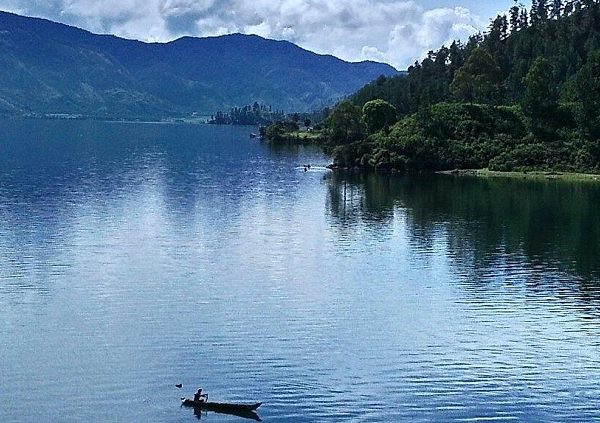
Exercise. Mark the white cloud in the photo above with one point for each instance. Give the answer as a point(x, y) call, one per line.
point(396, 31)
point(434, 28)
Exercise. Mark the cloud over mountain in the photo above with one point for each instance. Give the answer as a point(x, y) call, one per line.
point(395, 31)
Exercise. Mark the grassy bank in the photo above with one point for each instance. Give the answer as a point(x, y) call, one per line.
point(305, 137)
point(289, 132)
point(565, 176)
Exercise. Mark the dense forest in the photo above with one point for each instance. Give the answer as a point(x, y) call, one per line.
point(525, 95)
point(256, 114)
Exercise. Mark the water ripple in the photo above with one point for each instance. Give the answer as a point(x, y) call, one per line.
point(154, 255)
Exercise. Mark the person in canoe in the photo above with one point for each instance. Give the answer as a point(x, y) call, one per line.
point(200, 397)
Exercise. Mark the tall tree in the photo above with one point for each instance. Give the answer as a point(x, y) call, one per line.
point(534, 17)
point(524, 21)
point(588, 93)
point(479, 79)
point(557, 8)
point(542, 11)
point(345, 123)
point(540, 100)
point(515, 17)
point(456, 57)
point(568, 8)
point(540, 95)
point(378, 115)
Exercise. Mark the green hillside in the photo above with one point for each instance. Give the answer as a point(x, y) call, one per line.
point(524, 95)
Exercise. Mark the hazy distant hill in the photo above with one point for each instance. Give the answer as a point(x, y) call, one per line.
point(47, 67)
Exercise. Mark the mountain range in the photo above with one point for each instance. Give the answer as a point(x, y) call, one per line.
point(52, 68)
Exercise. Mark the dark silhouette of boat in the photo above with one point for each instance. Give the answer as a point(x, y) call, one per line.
point(247, 411)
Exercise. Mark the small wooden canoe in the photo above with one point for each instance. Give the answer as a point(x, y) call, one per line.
point(220, 406)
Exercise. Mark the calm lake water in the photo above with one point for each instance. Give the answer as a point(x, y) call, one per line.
point(137, 256)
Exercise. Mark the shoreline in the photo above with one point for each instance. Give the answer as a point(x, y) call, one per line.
point(485, 173)
point(184, 121)
point(547, 175)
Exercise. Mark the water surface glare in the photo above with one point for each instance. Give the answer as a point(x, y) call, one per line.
point(137, 256)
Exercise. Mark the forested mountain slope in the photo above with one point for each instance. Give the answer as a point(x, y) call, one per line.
point(524, 95)
point(47, 67)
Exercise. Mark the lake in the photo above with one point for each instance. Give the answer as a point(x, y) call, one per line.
point(134, 257)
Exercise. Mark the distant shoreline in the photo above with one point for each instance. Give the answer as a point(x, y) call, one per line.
point(548, 175)
point(203, 120)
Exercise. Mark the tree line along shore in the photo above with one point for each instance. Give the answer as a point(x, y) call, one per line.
point(524, 96)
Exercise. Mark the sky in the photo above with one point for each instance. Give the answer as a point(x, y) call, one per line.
point(393, 31)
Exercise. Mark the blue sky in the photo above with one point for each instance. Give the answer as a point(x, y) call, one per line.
point(393, 31)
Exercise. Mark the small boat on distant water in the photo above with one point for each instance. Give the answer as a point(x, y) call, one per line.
point(247, 411)
point(253, 135)
point(220, 405)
